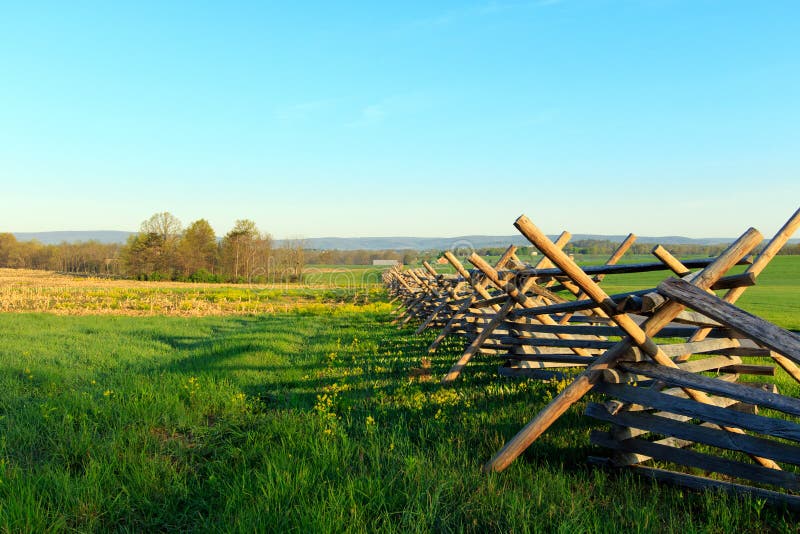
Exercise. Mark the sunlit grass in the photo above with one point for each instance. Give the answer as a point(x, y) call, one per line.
point(323, 420)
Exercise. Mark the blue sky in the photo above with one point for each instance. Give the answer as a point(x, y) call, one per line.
point(413, 118)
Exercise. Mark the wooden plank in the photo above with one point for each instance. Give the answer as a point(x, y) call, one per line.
point(764, 332)
point(593, 319)
point(698, 460)
point(774, 498)
point(542, 374)
point(706, 364)
point(743, 351)
point(690, 317)
point(747, 369)
point(619, 269)
point(584, 304)
point(676, 349)
point(760, 447)
point(513, 361)
point(569, 343)
point(490, 302)
point(670, 261)
point(740, 392)
point(432, 317)
point(706, 412)
point(608, 331)
point(621, 433)
point(742, 280)
point(560, 358)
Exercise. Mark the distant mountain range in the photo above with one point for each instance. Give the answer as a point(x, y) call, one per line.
point(476, 241)
point(380, 243)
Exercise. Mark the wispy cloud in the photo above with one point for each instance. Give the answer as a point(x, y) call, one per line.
point(480, 10)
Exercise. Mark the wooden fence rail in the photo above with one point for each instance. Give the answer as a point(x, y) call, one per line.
point(667, 359)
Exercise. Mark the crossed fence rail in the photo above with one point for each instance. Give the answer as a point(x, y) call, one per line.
point(666, 359)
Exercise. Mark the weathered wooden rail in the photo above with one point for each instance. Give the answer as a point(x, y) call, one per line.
point(667, 359)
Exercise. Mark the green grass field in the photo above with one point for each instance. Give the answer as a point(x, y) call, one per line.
point(308, 420)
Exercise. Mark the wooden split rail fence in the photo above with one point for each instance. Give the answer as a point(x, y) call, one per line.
point(667, 359)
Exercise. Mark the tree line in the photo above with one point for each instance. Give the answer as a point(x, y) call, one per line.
point(365, 257)
point(598, 247)
point(164, 250)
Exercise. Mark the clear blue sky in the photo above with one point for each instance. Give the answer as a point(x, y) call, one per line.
point(407, 118)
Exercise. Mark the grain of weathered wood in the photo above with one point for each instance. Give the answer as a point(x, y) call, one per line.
point(567, 343)
point(774, 498)
point(712, 362)
point(747, 369)
point(697, 347)
point(560, 358)
point(698, 460)
point(752, 445)
point(668, 331)
point(541, 374)
point(741, 392)
point(755, 423)
point(621, 269)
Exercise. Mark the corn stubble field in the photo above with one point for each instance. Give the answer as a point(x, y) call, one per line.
point(147, 406)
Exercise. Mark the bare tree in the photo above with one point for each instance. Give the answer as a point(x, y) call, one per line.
point(246, 251)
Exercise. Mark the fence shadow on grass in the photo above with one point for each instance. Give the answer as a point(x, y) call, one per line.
point(369, 368)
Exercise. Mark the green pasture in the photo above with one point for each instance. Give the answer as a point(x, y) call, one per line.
point(343, 276)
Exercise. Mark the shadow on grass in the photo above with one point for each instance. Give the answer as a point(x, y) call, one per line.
point(370, 368)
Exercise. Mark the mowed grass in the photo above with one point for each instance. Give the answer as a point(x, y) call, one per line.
point(317, 421)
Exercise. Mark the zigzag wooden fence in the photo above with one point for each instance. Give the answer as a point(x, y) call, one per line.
point(668, 359)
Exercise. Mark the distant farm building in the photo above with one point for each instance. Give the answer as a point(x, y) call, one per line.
point(385, 263)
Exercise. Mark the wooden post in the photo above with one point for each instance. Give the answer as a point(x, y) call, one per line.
point(476, 344)
point(429, 268)
point(516, 296)
point(612, 260)
point(507, 255)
